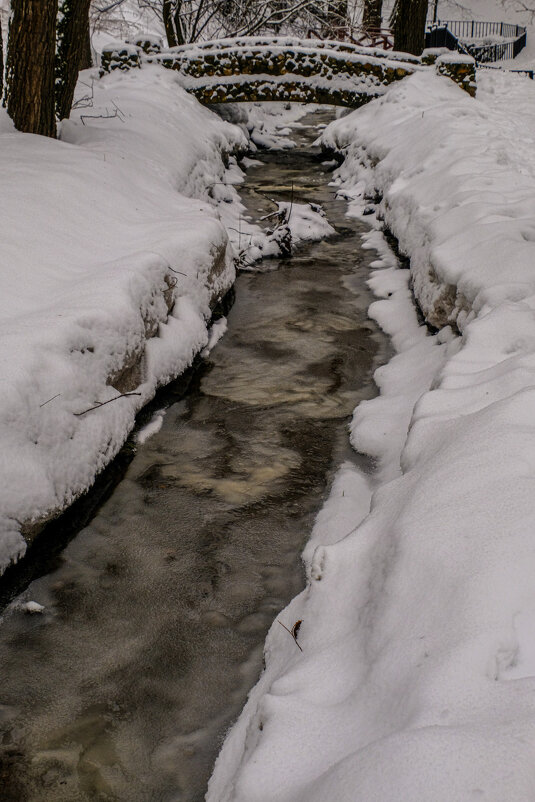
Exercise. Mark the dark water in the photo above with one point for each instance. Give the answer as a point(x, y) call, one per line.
point(155, 617)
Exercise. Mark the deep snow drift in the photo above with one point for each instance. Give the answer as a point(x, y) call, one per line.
point(417, 675)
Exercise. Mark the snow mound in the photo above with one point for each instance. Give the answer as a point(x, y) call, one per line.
point(108, 276)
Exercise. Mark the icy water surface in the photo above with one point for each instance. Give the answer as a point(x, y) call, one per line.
point(155, 617)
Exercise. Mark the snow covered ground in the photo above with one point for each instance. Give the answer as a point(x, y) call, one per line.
point(416, 679)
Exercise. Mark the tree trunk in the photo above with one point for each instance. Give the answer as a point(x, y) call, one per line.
point(1, 63)
point(372, 15)
point(30, 66)
point(339, 18)
point(72, 26)
point(86, 58)
point(408, 18)
point(171, 20)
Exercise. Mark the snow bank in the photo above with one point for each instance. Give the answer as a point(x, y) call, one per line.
point(417, 676)
point(458, 188)
point(107, 282)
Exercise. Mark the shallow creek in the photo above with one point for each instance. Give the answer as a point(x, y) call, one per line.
point(156, 612)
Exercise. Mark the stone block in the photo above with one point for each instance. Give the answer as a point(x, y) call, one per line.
point(460, 68)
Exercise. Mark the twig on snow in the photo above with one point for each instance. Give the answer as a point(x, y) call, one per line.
point(99, 117)
point(86, 101)
point(293, 631)
point(103, 403)
point(172, 269)
point(49, 400)
point(117, 113)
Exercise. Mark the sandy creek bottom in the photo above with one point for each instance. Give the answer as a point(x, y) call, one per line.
point(157, 611)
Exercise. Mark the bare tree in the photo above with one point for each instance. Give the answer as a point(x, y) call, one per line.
point(171, 15)
point(331, 18)
point(408, 22)
point(519, 7)
point(195, 20)
point(30, 66)
point(86, 57)
point(372, 15)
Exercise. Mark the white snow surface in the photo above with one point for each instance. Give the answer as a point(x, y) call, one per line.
point(151, 428)
point(417, 675)
point(90, 227)
point(217, 331)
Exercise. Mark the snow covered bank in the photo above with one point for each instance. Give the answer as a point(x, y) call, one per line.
point(457, 177)
point(417, 675)
point(109, 272)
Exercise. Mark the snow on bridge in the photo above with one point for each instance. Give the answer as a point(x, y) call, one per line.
point(273, 68)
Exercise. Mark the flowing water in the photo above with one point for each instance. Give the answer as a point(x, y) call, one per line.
point(156, 613)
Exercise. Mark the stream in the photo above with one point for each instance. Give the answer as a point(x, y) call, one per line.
point(155, 613)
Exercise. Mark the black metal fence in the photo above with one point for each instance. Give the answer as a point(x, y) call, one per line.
point(454, 33)
point(496, 52)
point(473, 29)
point(441, 36)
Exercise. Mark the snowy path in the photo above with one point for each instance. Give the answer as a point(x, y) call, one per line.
point(511, 104)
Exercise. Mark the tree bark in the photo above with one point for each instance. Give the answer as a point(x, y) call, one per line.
point(30, 66)
point(372, 15)
point(408, 18)
point(86, 58)
point(72, 27)
point(1, 63)
point(171, 20)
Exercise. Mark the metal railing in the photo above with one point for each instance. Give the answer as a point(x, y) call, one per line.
point(474, 29)
point(454, 34)
point(440, 36)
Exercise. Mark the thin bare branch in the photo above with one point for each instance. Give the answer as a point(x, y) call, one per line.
point(290, 632)
point(103, 403)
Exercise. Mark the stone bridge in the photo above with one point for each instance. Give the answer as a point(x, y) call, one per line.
point(255, 69)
